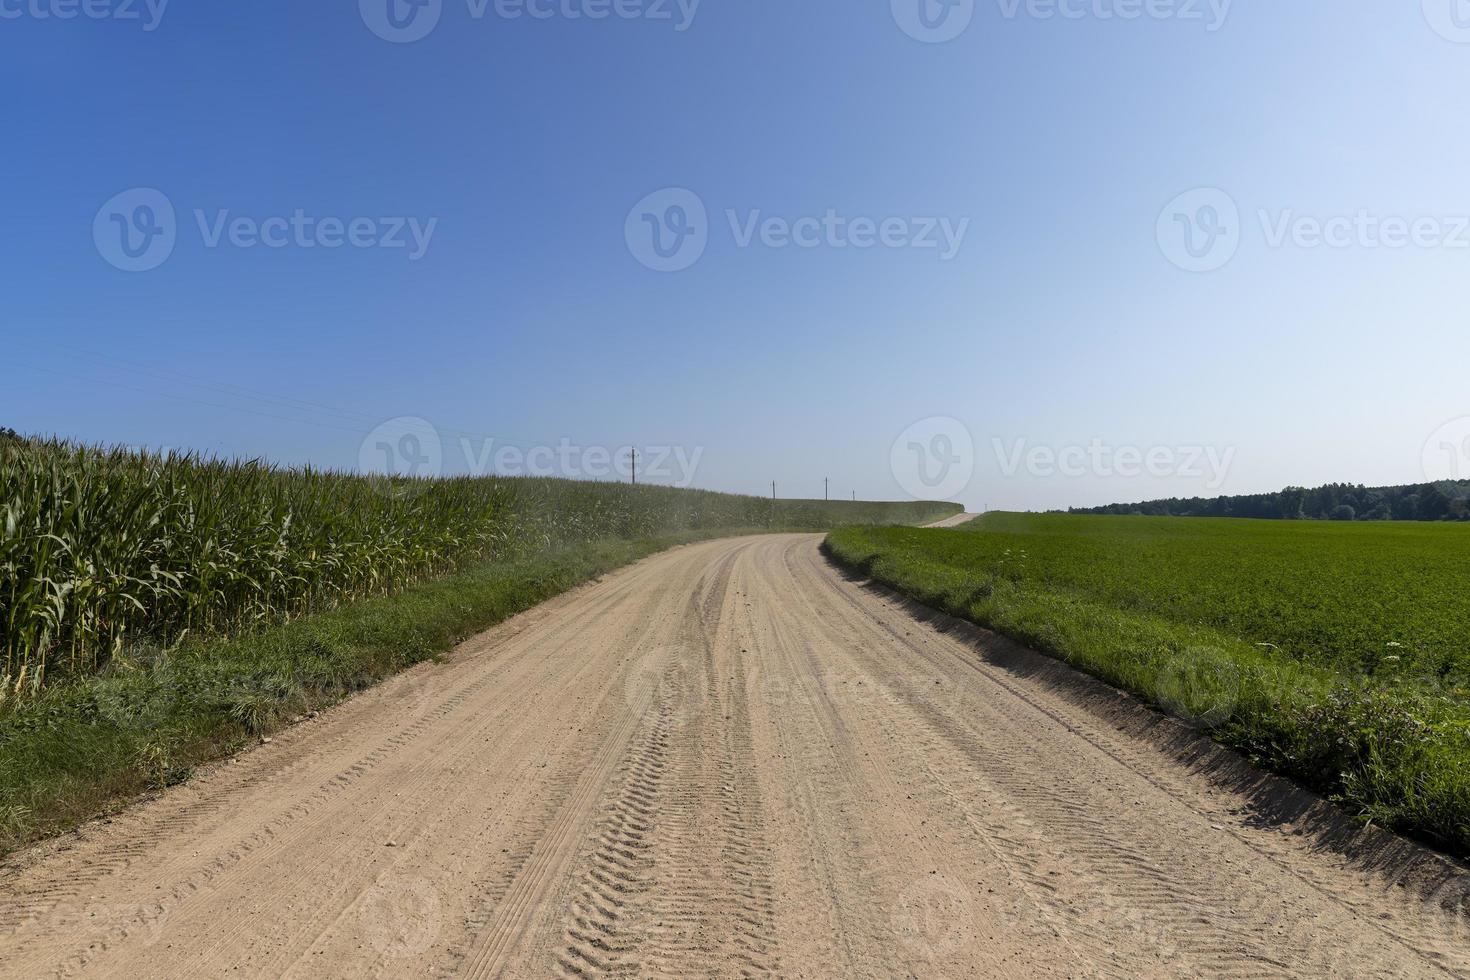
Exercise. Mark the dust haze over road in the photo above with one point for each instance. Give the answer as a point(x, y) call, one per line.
point(727, 760)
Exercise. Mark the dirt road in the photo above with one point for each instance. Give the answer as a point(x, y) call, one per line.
point(728, 760)
point(954, 521)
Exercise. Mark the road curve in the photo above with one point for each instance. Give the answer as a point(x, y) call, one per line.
point(727, 760)
point(954, 521)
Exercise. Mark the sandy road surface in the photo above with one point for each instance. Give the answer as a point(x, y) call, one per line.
point(727, 760)
point(954, 521)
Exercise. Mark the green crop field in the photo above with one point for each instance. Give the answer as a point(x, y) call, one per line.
point(156, 612)
point(1334, 652)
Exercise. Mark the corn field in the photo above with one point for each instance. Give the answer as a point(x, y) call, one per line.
point(104, 549)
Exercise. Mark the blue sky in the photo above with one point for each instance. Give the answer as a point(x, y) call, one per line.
point(519, 146)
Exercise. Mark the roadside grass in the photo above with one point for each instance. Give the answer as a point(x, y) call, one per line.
point(1333, 654)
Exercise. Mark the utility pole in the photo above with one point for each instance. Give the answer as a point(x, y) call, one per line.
point(773, 490)
point(826, 490)
point(634, 454)
point(854, 496)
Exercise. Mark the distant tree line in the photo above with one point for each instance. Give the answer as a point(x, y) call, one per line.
point(1446, 501)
